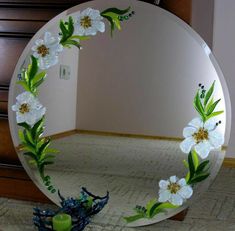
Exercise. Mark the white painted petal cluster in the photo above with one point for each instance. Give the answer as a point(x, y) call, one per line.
point(28, 109)
point(214, 139)
point(47, 50)
point(174, 190)
point(89, 22)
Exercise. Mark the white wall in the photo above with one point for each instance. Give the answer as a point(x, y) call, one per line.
point(224, 50)
point(144, 79)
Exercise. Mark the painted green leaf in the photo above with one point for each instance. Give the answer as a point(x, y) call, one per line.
point(70, 26)
point(195, 159)
point(198, 106)
point(47, 158)
point(43, 147)
point(24, 85)
point(133, 218)
point(28, 147)
point(187, 177)
point(185, 163)
point(37, 128)
point(64, 31)
point(199, 178)
point(33, 68)
point(213, 114)
point(32, 155)
point(209, 104)
point(38, 78)
point(163, 206)
point(209, 94)
point(202, 166)
point(37, 84)
point(24, 125)
point(28, 138)
point(114, 18)
point(112, 25)
point(82, 38)
point(47, 162)
point(116, 11)
point(72, 42)
point(212, 107)
point(52, 150)
point(149, 206)
point(21, 136)
point(191, 166)
point(25, 75)
point(33, 162)
point(155, 209)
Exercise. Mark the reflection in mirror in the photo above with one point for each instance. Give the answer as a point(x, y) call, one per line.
point(116, 110)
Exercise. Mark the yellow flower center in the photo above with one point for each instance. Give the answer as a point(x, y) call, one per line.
point(24, 108)
point(201, 135)
point(86, 22)
point(43, 50)
point(173, 188)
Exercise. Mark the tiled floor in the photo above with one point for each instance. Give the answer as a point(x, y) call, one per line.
point(214, 212)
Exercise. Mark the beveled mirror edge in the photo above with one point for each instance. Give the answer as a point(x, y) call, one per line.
point(195, 36)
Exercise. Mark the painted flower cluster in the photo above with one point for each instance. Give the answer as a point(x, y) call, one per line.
point(201, 136)
point(45, 53)
point(47, 50)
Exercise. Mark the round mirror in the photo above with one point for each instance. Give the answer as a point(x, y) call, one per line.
point(142, 112)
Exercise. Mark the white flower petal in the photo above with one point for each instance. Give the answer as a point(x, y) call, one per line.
point(185, 192)
point(164, 195)
point(20, 118)
point(36, 110)
point(163, 184)
point(176, 199)
point(100, 26)
point(14, 107)
point(39, 42)
point(187, 144)
point(182, 182)
point(34, 48)
point(173, 179)
point(96, 22)
point(210, 124)
point(36, 55)
point(189, 131)
point(48, 38)
point(216, 139)
point(30, 120)
point(196, 122)
point(203, 149)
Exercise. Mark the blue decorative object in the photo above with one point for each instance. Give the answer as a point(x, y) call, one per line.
point(80, 209)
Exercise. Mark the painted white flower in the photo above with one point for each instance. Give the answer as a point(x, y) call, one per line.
point(202, 136)
point(47, 50)
point(174, 191)
point(28, 109)
point(89, 22)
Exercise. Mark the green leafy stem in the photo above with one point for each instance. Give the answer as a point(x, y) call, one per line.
point(205, 105)
point(36, 147)
point(68, 38)
point(31, 79)
point(152, 208)
point(115, 16)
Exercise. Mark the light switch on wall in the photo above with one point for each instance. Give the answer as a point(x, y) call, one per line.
point(65, 72)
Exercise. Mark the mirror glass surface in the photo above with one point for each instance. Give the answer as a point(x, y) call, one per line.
point(118, 112)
